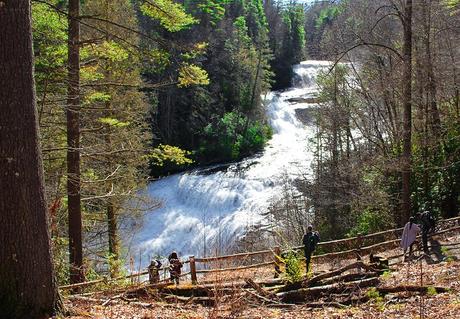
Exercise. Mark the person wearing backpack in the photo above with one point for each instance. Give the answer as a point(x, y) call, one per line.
point(310, 239)
point(428, 224)
point(154, 271)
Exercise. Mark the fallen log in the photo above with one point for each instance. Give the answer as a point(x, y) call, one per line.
point(411, 288)
point(316, 279)
point(195, 291)
point(263, 298)
point(110, 301)
point(206, 301)
point(308, 294)
point(355, 265)
point(259, 289)
point(349, 277)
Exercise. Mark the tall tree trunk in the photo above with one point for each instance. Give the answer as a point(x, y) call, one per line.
point(407, 111)
point(27, 285)
point(431, 84)
point(73, 144)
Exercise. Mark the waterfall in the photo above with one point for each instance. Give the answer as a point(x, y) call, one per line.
point(217, 204)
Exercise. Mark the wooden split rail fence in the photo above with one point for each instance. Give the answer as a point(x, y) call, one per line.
point(342, 248)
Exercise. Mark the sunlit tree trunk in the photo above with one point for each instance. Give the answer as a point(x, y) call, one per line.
point(73, 144)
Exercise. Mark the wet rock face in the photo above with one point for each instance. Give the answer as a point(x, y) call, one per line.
point(306, 116)
point(296, 100)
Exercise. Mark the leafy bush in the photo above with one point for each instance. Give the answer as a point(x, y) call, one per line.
point(370, 222)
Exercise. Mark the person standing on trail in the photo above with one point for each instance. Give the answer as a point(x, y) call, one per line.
point(310, 239)
point(409, 235)
point(428, 224)
point(175, 266)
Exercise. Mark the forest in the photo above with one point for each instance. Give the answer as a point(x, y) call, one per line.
point(101, 98)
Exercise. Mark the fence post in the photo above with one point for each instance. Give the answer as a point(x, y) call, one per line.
point(359, 244)
point(193, 270)
point(277, 255)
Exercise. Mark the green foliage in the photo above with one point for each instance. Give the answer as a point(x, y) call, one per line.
point(164, 154)
point(95, 97)
point(369, 222)
point(50, 38)
point(374, 294)
point(289, 49)
point(215, 9)
point(294, 18)
point(116, 265)
point(438, 191)
point(60, 259)
point(233, 136)
point(159, 60)
point(328, 14)
point(197, 50)
point(190, 74)
point(222, 69)
point(386, 275)
point(431, 291)
point(293, 266)
point(113, 122)
point(111, 51)
point(255, 19)
point(170, 14)
point(453, 4)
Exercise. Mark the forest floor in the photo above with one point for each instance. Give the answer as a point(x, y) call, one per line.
point(442, 270)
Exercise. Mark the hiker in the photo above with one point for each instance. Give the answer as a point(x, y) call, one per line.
point(428, 224)
point(175, 266)
point(310, 239)
point(411, 229)
point(154, 271)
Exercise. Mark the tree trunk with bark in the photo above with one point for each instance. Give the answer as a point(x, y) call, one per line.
point(73, 146)
point(407, 113)
point(27, 285)
point(435, 119)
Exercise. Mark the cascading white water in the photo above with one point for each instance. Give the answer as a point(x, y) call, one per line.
point(217, 204)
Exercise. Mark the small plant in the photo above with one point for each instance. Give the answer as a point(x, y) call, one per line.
point(446, 252)
point(431, 291)
point(386, 275)
point(293, 266)
point(374, 294)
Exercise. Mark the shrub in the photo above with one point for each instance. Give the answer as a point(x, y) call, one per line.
point(293, 266)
